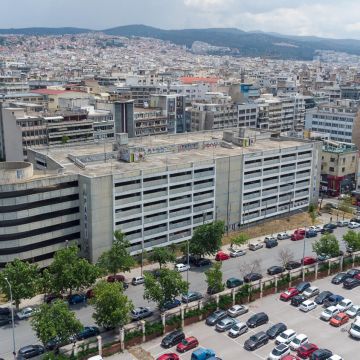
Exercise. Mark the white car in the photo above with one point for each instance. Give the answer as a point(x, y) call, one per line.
point(237, 310)
point(353, 225)
point(307, 305)
point(238, 329)
point(286, 337)
point(353, 311)
point(328, 313)
point(355, 329)
point(279, 352)
point(237, 252)
point(316, 228)
point(283, 236)
point(343, 223)
point(299, 340)
point(181, 267)
point(256, 246)
point(344, 304)
point(26, 313)
point(335, 357)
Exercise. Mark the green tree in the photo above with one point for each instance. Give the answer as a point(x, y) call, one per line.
point(352, 240)
point(111, 307)
point(55, 321)
point(165, 288)
point(65, 139)
point(23, 278)
point(206, 239)
point(214, 278)
point(327, 245)
point(162, 255)
point(239, 240)
point(345, 205)
point(70, 272)
point(312, 213)
point(118, 257)
point(46, 282)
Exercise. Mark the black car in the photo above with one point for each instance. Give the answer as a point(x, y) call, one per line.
point(202, 262)
point(174, 338)
point(5, 320)
point(213, 290)
point(270, 243)
point(351, 283)
point(322, 297)
point(301, 287)
point(171, 304)
point(273, 270)
point(5, 311)
point(290, 265)
point(30, 351)
point(258, 319)
point(332, 300)
point(321, 354)
point(328, 228)
point(339, 278)
point(297, 300)
point(256, 341)
point(357, 220)
point(353, 272)
point(184, 259)
point(252, 277)
point(87, 332)
point(275, 330)
point(216, 316)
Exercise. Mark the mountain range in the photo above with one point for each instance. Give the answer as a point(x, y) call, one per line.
point(253, 43)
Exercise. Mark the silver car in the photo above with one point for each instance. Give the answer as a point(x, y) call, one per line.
point(238, 329)
point(237, 252)
point(353, 311)
point(311, 292)
point(225, 324)
point(237, 310)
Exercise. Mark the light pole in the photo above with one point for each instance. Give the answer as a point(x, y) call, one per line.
point(12, 316)
point(188, 262)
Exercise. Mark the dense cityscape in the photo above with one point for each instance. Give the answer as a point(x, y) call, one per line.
point(168, 200)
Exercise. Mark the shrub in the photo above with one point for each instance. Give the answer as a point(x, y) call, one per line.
point(132, 334)
point(174, 320)
point(191, 313)
point(154, 328)
point(225, 301)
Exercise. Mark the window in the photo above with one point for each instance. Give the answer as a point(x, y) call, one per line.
point(343, 169)
point(331, 169)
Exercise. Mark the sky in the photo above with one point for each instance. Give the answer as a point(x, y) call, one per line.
point(327, 18)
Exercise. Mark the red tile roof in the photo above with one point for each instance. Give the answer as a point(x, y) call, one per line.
point(194, 80)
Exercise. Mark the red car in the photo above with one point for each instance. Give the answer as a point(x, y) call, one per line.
point(308, 260)
point(187, 344)
point(339, 319)
point(297, 236)
point(90, 294)
point(290, 357)
point(300, 231)
point(288, 294)
point(357, 276)
point(220, 256)
point(113, 278)
point(169, 356)
point(306, 350)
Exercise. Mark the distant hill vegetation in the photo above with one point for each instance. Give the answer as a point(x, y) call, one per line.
point(256, 43)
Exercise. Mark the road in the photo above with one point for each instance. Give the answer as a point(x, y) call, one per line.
point(230, 268)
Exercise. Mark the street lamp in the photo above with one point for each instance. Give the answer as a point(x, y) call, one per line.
point(188, 262)
point(12, 316)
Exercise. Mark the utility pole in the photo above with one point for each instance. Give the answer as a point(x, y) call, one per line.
point(12, 317)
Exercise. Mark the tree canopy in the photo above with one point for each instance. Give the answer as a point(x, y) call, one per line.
point(240, 239)
point(162, 255)
point(214, 278)
point(352, 240)
point(327, 245)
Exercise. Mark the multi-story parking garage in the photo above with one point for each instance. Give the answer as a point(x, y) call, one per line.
point(157, 190)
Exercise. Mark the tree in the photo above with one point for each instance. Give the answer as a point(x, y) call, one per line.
point(239, 240)
point(352, 240)
point(285, 255)
point(251, 267)
point(327, 245)
point(111, 307)
point(214, 278)
point(312, 213)
point(164, 288)
point(162, 255)
point(70, 272)
point(345, 205)
point(118, 257)
point(206, 239)
point(23, 278)
point(55, 321)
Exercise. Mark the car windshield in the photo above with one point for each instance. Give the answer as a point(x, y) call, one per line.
point(353, 309)
point(297, 341)
point(253, 338)
point(328, 312)
point(337, 317)
point(342, 303)
point(277, 352)
point(184, 342)
point(283, 335)
point(355, 327)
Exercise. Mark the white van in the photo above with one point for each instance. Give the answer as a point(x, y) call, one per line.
point(137, 280)
point(355, 329)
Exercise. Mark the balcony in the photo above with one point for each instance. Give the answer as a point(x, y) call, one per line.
point(148, 208)
point(272, 161)
point(155, 218)
point(303, 175)
point(250, 217)
point(204, 174)
point(123, 188)
point(302, 185)
point(155, 195)
point(301, 194)
point(286, 188)
point(269, 192)
point(202, 207)
point(252, 186)
point(124, 214)
point(157, 230)
point(127, 200)
point(252, 176)
point(270, 182)
point(286, 179)
point(270, 172)
point(301, 166)
point(147, 184)
point(253, 165)
point(266, 203)
point(180, 213)
point(184, 234)
point(182, 189)
point(132, 237)
point(180, 224)
point(251, 206)
point(181, 178)
point(305, 156)
point(288, 168)
point(198, 197)
point(288, 159)
point(252, 196)
point(130, 224)
point(180, 201)
point(203, 185)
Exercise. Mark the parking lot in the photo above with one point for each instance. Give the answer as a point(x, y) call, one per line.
point(319, 332)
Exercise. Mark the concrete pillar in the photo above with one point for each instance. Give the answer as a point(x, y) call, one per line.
point(261, 285)
point(329, 266)
point(289, 278)
point(200, 308)
point(99, 339)
point(163, 320)
point(276, 283)
point(353, 259)
point(217, 298)
point(182, 315)
point(303, 273)
point(75, 348)
point(316, 270)
point(122, 339)
point(233, 295)
point(341, 263)
point(142, 322)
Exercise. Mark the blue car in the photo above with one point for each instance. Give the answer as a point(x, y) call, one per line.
point(76, 299)
point(311, 233)
point(171, 304)
point(87, 332)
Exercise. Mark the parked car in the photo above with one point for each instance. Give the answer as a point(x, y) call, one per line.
point(351, 283)
point(26, 313)
point(30, 351)
point(140, 313)
point(339, 319)
point(87, 332)
point(329, 312)
point(316, 228)
point(5, 320)
point(279, 352)
point(76, 299)
point(291, 265)
point(191, 296)
point(137, 280)
point(354, 330)
point(288, 294)
point(306, 350)
point(221, 256)
point(299, 340)
point(322, 297)
point(297, 300)
point(342, 223)
point(171, 304)
point(330, 227)
point(321, 354)
point(202, 262)
point(216, 316)
point(283, 236)
point(339, 278)
point(323, 257)
point(237, 310)
point(286, 337)
point(116, 278)
point(297, 236)
point(302, 286)
point(172, 339)
point(256, 246)
point(308, 260)
point(236, 252)
point(252, 277)
point(355, 220)
point(202, 354)
point(168, 356)
point(49, 298)
point(333, 300)
point(270, 242)
point(352, 272)
point(187, 344)
point(353, 312)
point(225, 324)
point(311, 233)
point(344, 304)
point(5, 311)
point(274, 270)
point(335, 357)
point(353, 225)
point(256, 341)
point(182, 267)
point(275, 330)
point(238, 329)
point(214, 290)
point(233, 282)
point(308, 305)
point(311, 292)
point(257, 319)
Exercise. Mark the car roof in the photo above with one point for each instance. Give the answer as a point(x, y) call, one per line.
point(301, 336)
point(288, 331)
point(331, 308)
point(308, 302)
